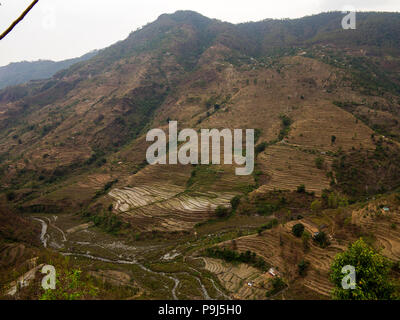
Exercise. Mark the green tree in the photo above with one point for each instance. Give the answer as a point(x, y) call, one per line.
point(298, 230)
point(321, 239)
point(302, 267)
point(316, 205)
point(305, 237)
point(332, 201)
point(372, 274)
point(336, 200)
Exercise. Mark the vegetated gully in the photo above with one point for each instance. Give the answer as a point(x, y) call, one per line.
point(79, 240)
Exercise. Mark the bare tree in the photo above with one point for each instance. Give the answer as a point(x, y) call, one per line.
point(20, 18)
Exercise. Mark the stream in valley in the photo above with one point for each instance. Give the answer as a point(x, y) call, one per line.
point(77, 244)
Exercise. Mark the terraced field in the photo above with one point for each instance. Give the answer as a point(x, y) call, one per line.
point(96, 181)
point(383, 225)
point(287, 168)
point(73, 156)
point(148, 269)
point(314, 126)
point(160, 197)
point(377, 222)
point(166, 207)
point(283, 251)
point(243, 281)
point(11, 254)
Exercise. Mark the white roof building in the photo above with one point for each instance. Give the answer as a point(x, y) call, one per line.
point(273, 272)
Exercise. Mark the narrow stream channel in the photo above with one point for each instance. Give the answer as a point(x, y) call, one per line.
point(44, 237)
point(43, 234)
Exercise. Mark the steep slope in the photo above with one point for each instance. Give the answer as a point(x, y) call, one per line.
point(324, 103)
point(68, 141)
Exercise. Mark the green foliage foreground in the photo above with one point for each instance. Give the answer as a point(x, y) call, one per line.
point(372, 274)
point(71, 286)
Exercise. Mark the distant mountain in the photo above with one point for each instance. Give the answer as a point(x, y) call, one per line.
point(24, 71)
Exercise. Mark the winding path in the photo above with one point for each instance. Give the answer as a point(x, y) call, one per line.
point(43, 234)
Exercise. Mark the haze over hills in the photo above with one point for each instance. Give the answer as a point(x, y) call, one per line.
point(324, 103)
point(24, 71)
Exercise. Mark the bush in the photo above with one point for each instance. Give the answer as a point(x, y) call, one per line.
point(109, 184)
point(260, 147)
point(301, 188)
point(233, 256)
point(10, 195)
point(277, 285)
point(267, 226)
point(266, 209)
point(335, 200)
point(316, 205)
point(302, 267)
point(235, 201)
point(105, 189)
point(107, 221)
point(305, 239)
point(221, 211)
point(71, 285)
point(319, 162)
point(286, 122)
point(321, 239)
point(298, 230)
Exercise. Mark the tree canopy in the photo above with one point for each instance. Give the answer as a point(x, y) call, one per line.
point(372, 274)
point(298, 230)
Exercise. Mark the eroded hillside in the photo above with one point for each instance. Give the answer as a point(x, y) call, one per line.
point(325, 108)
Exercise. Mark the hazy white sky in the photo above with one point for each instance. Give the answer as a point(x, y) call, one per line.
point(61, 29)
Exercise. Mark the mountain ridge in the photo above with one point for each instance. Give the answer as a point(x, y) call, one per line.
point(24, 71)
point(325, 106)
